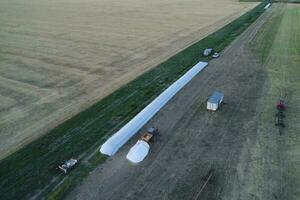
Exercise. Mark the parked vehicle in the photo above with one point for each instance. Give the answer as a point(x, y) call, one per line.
point(68, 165)
point(216, 55)
point(149, 135)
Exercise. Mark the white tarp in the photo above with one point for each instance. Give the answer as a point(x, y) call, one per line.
point(112, 145)
point(138, 152)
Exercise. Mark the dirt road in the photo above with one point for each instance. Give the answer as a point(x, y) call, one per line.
point(194, 143)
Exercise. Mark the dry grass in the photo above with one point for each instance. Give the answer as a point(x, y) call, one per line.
point(59, 57)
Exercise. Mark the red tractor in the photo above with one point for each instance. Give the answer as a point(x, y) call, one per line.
point(280, 115)
point(281, 105)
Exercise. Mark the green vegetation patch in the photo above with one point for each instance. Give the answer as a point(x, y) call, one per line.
point(262, 43)
point(276, 156)
point(28, 171)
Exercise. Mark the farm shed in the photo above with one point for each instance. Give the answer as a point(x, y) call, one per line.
point(215, 101)
point(112, 145)
point(207, 52)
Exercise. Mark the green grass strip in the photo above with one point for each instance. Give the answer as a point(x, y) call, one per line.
point(26, 172)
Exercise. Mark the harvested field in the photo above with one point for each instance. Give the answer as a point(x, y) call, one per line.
point(59, 57)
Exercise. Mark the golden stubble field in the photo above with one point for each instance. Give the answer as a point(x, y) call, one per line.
point(59, 57)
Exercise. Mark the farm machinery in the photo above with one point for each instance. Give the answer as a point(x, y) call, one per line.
point(280, 106)
point(68, 165)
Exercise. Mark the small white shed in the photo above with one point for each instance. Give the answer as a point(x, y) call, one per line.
point(207, 52)
point(215, 101)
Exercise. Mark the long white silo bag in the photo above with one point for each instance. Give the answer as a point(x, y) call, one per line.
point(116, 141)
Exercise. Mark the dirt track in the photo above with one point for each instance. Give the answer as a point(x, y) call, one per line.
point(195, 143)
point(59, 57)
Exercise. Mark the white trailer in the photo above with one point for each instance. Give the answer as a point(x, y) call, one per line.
point(215, 101)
